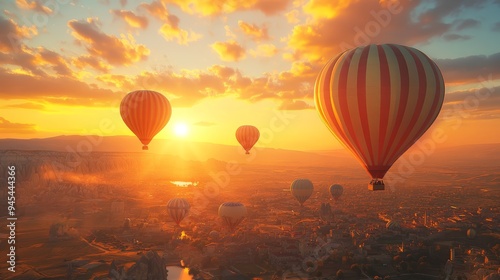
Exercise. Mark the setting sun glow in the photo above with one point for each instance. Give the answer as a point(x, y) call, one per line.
point(181, 129)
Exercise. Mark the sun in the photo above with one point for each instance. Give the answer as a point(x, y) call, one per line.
point(181, 129)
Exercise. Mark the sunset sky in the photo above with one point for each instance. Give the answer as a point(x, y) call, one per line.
point(65, 65)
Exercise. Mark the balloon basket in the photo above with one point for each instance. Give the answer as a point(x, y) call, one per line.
point(145, 147)
point(376, 185)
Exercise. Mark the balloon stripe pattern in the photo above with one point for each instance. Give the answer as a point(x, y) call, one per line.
point(302, 189)
point(145, 113)
point(378, 100)
point(232, 213)
point(247, 136)
point(178, 208)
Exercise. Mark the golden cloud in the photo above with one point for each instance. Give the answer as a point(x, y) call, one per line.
point(253, 31)
point(218, 7)
point(36, 6)
point(182, 36)
point(229, 51)
point(131, 19)
point(116, 51)
point(10, 127)
point(266, 50)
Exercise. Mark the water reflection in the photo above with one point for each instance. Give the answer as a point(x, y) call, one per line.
point(184, 184)
point(178, 273)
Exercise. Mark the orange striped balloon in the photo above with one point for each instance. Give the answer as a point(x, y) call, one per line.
point(378, 100)
point(247, 135)
point(145, 112)
point(178, 208)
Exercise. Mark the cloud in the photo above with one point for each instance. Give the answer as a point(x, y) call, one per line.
point(131, 19)
point(55, 90)
point(478, 103)
point(455, 37)
point(295, 105)
point(266, 50)
point(10, 127)
point(470, 69)
point(344, 24)
point(123, 3)
point(57, 62)
point(253, 31)
point(229, 51)
point(27, 105)
point(204, 123)
point(170, 29)
point(183, 37)
point(82, 62)
point(116, 51)
point(218, 7)
point(293, 16)
point(118, 81)
point(35, 5)
point(466, 23)
point(11, 35)
point(222, 71)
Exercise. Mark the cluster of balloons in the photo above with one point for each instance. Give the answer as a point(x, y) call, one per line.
point(377, 100)
point(231, 213)
point(302, 189)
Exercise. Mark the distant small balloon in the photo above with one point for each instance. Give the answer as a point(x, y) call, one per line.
point(247, 136)
point(178, 208)
point(302, 189)
point(232, 214)
point(336, 191)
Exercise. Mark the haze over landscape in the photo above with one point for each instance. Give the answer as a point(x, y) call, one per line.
point(94, 199)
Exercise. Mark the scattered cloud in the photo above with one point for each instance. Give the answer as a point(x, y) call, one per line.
point(27, 105)
point(466, 23)
point(253, 31)
point(455, 37)
point(34, 5)
point(470, 69)
point(116, 51)
point(218, 7)
point(82, 62)
point(10, 127)
point(478, 103)
point(12, 34)
point(183, 37)
point(229, 51)
point(131, 19)
point(266, 50)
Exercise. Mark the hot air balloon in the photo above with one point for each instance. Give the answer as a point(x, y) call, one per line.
point(178, 208)
point(232, 213)
point(145, 112)
point(378, 100)
point(471, 233)
point(247, 135)
point(301, 189)
point(336, 191)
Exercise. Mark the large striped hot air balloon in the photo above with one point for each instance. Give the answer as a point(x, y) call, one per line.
point(232, 214)
point(178, 208)
point(336, 191)
point(378, 100)
point(145, 112)
point(301, 189)
point(247, 135)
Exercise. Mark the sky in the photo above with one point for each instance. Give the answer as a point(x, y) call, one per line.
point(65, 65)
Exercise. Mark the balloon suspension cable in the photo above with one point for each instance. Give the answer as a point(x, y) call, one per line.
point(145, 147)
